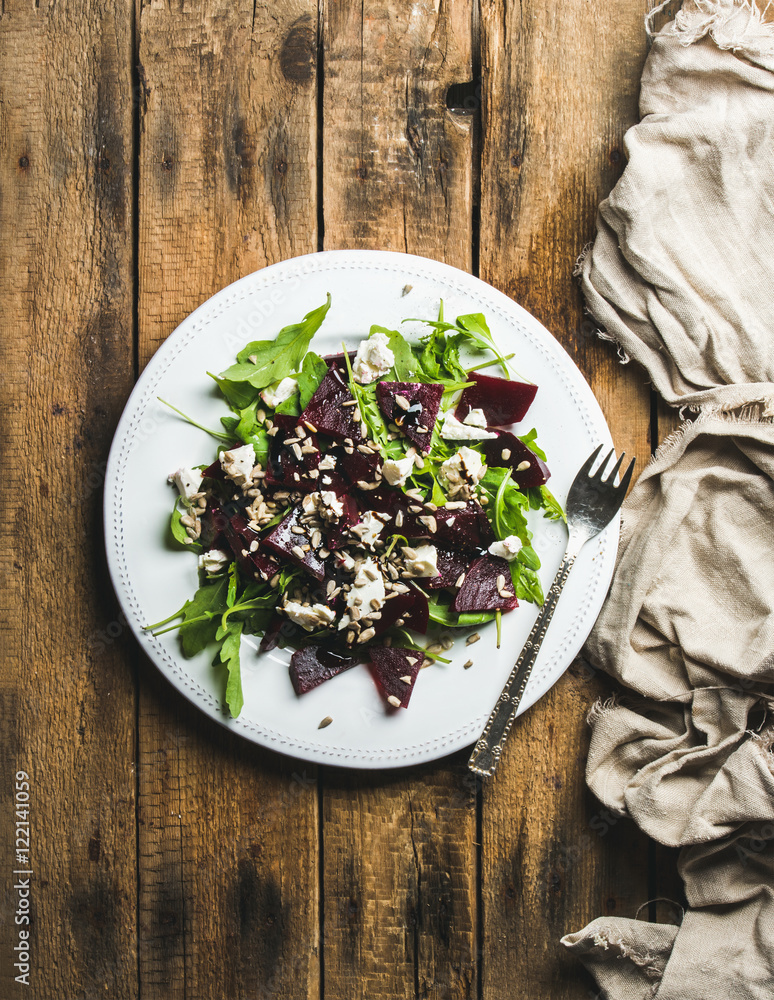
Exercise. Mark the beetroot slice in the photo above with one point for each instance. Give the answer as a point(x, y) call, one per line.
point(424, 401)
point(283, 540)
point(412, 607)
point(283, 467)
point(358, 467)
point(313, 665)
point(479, 591)
point(388, 665)
point(467, 529)
point(326, 410)
point(450, 565)
point(536, 475)
point(503, 402)
point(336, 533)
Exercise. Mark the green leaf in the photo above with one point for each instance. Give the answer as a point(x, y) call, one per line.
point(552, 509)
point(199, 616)
point(289, 407)
point(526, 584)
point(406, 366)
point(313, 371)
point(530, 440)
point(278, 358)
point(239, 395)
point(179, 533)
point(229, 657)
point(233, 582)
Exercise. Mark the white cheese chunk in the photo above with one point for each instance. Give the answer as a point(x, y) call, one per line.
point(238, 463)
point(373, 523)
point(328, 462)
point(213, 561)
point(325, 503)
point(188, 481)
point(453, 430)
point(373, 359)
point(424, 562)
point(364, 590)
point(507, 549)
point(476, 418)
point(397, 471)
point(309, 618)
point(275, 394)
point(467, 464)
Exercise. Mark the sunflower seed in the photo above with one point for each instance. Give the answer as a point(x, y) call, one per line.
point(505, 454)
point(365, 635)
point(468, 664)
point(402, 402)
point(395, 702)
point(325, 722)
point(472, 638)
point(523, 466)
point(406, 679)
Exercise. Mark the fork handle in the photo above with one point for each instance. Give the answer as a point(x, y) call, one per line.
point(486, 755)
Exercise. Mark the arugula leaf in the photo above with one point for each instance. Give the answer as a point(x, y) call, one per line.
point(313, 371)
point(239, 395)
point(406, 366)
point(530, 440)
point(179, 533)
point(230, 638)
point(552, 509)
point(276, 359)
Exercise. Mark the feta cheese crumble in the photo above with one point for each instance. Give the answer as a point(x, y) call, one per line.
point(424, 561)
point(326, 504)
point(238, 463)
point(366, 594)
point(373, 526)
point(328, 462)
point(373, 359)
point(309, 617)
point(476, 418)
point(466, 464)
point(506, 549)
point(397, 471)
point(188, 481)
point(213, 561)
point(275, 394)
point(453, 430)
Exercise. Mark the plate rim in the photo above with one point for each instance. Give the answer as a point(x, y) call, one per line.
point(159, 363)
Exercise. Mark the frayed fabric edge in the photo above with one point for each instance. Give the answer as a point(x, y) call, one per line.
point(601, 707)
point(735, 25)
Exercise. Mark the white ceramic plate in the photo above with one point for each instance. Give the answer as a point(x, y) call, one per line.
point(450, 705)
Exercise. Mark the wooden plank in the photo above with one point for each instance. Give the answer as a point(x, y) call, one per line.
point(228, 833)
point(67, 687)
point(397, 166)
point(399, 855)
point(553, 126)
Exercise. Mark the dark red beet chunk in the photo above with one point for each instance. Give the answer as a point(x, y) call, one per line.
point(215, 471)
point(450, 565)
point(312, 665)
point(358, 467)
point(411, 607)
point(467, 529)
point(388, 665)
point(283, 540)
point(326, 410)
point(279, 628)
point(284, 468)
point(536, 475)
point(479, 591)
point(424, 401)
point(503, 402)
point(336, 533)
point(259, 564)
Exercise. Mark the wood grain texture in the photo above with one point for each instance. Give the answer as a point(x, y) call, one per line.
point(66, 678)
point(397, 165)
point(552, 130)
point(399, 889)
point(228, 833)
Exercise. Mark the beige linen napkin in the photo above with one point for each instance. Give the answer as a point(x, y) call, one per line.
point(681, 276)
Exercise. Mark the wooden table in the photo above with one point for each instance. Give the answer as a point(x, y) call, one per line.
point(151, 154)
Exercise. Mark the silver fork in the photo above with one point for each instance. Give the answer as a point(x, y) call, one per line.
point(592, 503)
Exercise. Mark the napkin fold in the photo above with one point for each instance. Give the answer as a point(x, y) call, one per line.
point(681, 277)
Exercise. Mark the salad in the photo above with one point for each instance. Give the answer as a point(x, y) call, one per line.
point(359, 500)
